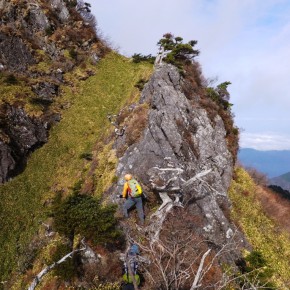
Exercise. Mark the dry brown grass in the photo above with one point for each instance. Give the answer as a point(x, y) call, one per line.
point(258, 177)
point(275, 206)
point(136, 124)
point(194, 81)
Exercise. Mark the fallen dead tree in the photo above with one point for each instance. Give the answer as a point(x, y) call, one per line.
point(47, 269)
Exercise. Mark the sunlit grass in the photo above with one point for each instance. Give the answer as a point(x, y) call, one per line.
point(260, 230)
point(57, 166)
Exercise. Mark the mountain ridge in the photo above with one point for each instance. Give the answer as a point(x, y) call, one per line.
point(283, 181)
point(163, 123)
point(270, 162)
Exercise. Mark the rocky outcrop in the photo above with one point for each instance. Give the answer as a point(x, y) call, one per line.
point(14, 53)
point(183, 158)
point(21, 134)
point(39, 42)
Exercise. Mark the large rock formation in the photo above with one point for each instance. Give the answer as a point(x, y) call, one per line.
point(183, 158)
point(20, 135)
point(36, 38)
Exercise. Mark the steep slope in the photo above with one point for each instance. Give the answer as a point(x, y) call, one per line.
point(282, 181)
point(59, 164)
point(253, 213)
point(178, 139)
point(40, 41)
point(183, 160)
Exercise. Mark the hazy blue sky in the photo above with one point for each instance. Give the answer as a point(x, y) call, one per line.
point(245, 42)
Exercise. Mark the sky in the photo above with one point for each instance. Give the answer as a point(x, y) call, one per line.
point(245, 42)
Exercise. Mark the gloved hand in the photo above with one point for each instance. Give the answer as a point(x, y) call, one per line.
point(121, 196)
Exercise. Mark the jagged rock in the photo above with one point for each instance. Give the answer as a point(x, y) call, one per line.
point(36, 18)
point(25, 135)
point(88, 256)
point(63, 12)
point(6, 160)
point(14, 53)
point(45, 91)
point(183, 156)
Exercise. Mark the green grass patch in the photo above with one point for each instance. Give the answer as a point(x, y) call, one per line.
point(259, 229)
point(57, 166)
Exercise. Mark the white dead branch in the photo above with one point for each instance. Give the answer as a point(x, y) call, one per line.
point(159, 216)
point(119, 131)
point(42, 273)
point(198, 275)
point(197, 176)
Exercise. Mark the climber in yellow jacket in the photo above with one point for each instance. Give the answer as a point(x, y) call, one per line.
point(132, 191)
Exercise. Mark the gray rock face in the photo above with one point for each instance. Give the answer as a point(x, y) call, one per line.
point(24, 135)
point(36, 18)
point(14, 53)
point(182, 156)
point(45, 91)
point(6, 160)
point(59, 5)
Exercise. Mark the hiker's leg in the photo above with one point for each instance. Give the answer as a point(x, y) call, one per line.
point(127, 205)
point(139, 206)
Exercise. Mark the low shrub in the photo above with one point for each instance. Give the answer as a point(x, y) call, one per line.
point(11, 80)
point(255, 271)
point(138, 57)
point(65, 270)
point(140, 84)
point(87, 156)
point(259, 177)
point(85, 215)
point(73, 54)
point(136, 125)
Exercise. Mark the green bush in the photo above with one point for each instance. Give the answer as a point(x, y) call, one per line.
point(256, 271)
point(87, 155)
point(179, 53)
point(11, 80)
point(85, 215)
point(71, 3)
point(220, 95)
point(49, 31)
point(138, 57)
point(140, 84)
point(73, 54)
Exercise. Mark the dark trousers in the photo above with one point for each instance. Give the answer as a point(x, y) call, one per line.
point(130, 202)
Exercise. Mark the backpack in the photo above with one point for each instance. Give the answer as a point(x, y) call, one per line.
point(133, 264)
point(127, 278)
point(134, 250)
point(134, 188)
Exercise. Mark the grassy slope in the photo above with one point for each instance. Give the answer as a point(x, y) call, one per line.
point(260, 230)
point(57, 165)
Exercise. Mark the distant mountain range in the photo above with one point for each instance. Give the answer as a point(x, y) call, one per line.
point(283, 181)
point(273, 163)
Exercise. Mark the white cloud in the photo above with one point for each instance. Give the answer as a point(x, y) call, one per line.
point(246, 42)
point(265, 141)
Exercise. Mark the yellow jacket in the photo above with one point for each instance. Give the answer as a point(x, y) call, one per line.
point(125, 189)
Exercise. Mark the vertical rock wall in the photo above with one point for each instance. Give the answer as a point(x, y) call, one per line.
point(182, 157)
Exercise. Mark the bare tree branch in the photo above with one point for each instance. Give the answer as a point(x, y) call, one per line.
point(42, 273)
point(199, 271)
